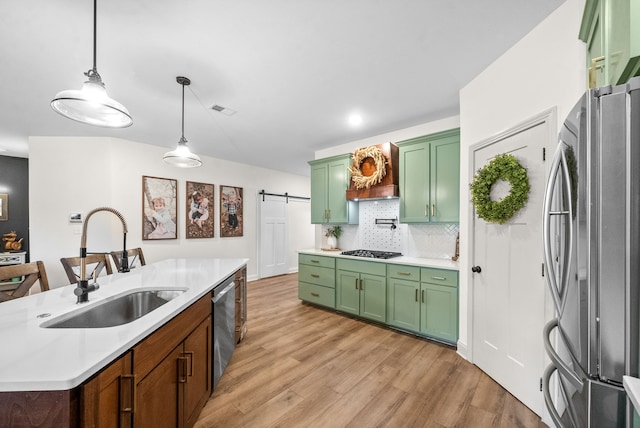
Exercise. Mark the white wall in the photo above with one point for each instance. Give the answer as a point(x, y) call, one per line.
point(543, 70)
point(78, 174)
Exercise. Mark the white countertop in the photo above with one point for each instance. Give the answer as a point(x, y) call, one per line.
point(402, 260)
point(632, 387)
point(42, 359)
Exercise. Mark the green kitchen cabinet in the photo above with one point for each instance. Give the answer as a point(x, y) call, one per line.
point(317, 280)
point(611, 30)
point(430, 178)
point(403, 307)
point(329, 183)
point(361, 289)
point(424, 301)
point(439, 304)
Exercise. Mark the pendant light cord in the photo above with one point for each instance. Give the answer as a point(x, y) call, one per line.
point(182, 111)
point(95, 34)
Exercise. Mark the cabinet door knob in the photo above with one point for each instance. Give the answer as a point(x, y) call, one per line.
point(476, 269)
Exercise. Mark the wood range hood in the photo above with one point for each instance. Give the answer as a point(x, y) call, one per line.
point(388, 187)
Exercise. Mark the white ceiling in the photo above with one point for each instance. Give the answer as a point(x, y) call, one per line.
point(292, 69)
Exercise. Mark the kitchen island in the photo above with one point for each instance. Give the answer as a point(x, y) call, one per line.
point(48, 360)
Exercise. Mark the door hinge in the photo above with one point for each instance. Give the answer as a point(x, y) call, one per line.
point(544, 154)
point(541, 384)
point(542, 269)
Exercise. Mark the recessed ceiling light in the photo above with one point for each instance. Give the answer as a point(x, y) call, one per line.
point(355, 119)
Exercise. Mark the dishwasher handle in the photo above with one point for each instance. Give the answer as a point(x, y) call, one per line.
point(229, 287)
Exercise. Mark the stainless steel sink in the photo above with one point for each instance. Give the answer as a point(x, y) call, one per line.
point(114, 311)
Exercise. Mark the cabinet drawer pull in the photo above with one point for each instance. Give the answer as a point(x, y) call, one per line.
point(132, 393)
point(426, 208)
point(403, 273)
point(182, 369)
point(439, 278)
point(416, 294)
point(422, 296)
point(592, 70)
point(356, 283)
point(360, 284)
point(189, 355)
point(433, 210)
point(314, 261)
point(315, 275)
point(315, 294)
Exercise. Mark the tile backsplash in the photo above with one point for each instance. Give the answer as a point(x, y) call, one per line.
point(436, 241)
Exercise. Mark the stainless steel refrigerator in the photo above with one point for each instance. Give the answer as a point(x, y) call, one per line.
point(591, 227)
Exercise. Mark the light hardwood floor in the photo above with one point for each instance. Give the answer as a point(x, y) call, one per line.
point(302, 366)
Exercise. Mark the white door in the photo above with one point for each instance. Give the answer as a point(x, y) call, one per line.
point(509, 291)
point(273, 246)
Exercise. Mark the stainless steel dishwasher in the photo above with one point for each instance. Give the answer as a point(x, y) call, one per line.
point(224, 327)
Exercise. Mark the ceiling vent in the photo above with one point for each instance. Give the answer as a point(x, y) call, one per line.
point(223, 110)
point(387, 188)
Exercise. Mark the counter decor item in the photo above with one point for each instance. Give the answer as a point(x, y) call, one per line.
point(159, 208)
point(503, 167)
point(368, 167)
point(333, 234)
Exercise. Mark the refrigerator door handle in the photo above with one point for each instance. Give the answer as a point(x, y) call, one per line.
point(563, 368)
point(559, 165)
point(553, 412)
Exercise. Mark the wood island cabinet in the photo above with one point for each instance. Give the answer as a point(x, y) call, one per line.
point(430, 178)
point(107, 399)
point(241, 304)
point(330, 180)
point(173, 371)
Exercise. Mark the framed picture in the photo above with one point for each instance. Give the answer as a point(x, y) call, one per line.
point(200, 210)
point(230, 211)
point(159, 208)
point(4, 207)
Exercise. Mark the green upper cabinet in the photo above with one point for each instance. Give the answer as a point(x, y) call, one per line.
point(611, 30)
point(430, 178)
point(329, 183)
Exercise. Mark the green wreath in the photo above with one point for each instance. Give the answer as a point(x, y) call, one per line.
point(503, 167)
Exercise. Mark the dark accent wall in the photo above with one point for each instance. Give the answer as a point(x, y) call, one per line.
point(14, 180)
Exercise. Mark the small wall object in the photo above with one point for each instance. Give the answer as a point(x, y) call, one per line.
point(231, 212)
point(200, 210)
point(502, 167)
point(4, 207)
point(159, 208)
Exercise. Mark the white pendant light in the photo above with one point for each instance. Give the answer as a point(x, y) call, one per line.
point(182, 156)
point(91, 104)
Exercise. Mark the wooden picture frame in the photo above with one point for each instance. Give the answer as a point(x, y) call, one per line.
point(199, 222)
point(159, 208)
point(231, 212)
point(4, 206)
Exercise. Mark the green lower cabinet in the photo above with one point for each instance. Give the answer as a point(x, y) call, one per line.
point(403, 306)
point(426, 308)
point(316, 280)
point(439, 311)
point(361, 294)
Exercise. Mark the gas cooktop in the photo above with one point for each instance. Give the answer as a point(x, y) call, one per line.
point(371, 254)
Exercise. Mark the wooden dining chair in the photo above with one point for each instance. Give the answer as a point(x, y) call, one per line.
point(24, 277)
point(95, 263)
point(134, 256)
